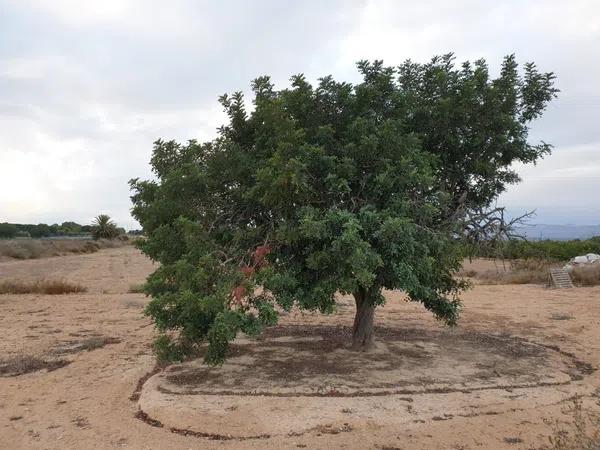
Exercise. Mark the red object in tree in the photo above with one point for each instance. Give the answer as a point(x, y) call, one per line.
point(248, 271)
point(260, 253)
point(239, 292)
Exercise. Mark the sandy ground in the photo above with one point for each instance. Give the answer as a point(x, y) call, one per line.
point(503, 379)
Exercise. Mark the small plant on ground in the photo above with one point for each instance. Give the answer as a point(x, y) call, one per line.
point(583, 433)
point(136, 288)
point(88, 344)
point(22, 364)
point(561, 316)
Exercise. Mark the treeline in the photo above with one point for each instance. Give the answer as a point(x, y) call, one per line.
point(546, 249)
point(13, 230)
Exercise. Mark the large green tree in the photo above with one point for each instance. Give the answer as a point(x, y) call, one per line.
point(333, 188)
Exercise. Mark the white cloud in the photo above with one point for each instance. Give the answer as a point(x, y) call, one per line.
point(74, 12)
point(33, 183)
point(562, 188)
point(84, 97)
point(153, 19)
point(395, 31)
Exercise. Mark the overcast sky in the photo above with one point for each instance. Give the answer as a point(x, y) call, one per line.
point(87, 86)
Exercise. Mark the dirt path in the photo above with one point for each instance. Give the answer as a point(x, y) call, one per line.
point(98, 345)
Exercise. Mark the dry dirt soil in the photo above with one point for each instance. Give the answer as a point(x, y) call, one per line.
point(77, 371)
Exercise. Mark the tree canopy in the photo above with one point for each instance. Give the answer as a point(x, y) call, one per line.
point(8, 230)
point(333, 188)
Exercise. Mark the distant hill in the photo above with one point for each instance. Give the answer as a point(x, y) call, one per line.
point(560, 232)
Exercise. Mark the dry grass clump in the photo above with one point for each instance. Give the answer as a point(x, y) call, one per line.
point(467, 273)
point(520, 277)
point(22, 364)
point(43, 248)
point(561, 316)
point(134, 304)
point(21, 249)
point(583, 433)
point(527, 271)
point(49, 287)
point(588, 275)
point(88, 344)
point(95, 342)
point(136, 288)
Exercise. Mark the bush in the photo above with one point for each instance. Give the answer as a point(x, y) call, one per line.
point(40, 287)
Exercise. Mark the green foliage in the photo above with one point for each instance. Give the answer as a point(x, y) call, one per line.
point(43, 230)
point(325, 189)
point(70, 228)
point(104, 228)
point(39, 230)
point(168, 351)
point(477, 126)
point(8, 230)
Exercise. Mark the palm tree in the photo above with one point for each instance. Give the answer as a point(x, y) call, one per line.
point(103, 227)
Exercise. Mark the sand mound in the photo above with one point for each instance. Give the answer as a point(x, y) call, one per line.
point(296, 379)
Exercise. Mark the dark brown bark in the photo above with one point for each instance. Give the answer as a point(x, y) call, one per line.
point(362, 330)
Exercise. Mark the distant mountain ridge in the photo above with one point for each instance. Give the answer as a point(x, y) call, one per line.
point(559, 232)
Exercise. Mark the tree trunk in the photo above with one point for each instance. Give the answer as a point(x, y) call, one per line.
point(362, 330)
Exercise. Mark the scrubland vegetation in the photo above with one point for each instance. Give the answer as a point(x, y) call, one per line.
point(546, 249)
point(38, 248)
